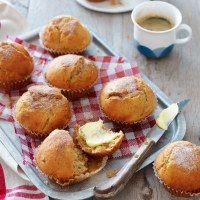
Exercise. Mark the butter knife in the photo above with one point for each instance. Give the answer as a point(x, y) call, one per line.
point(117, 183)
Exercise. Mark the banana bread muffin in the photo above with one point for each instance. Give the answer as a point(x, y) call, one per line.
point(95, 139)
point(16, 66)
point(74, 74)
point(65, 34)
point(127, 100)
point(42, 109)
point(63, 162)
point(178, 167)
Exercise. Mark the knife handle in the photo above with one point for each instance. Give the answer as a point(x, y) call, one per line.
point(117, 183)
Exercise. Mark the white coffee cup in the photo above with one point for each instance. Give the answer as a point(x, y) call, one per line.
point(157, 44)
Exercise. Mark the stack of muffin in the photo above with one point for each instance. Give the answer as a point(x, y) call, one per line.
point(44, 110)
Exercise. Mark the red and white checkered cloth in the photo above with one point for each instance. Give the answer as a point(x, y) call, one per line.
point(83, 110)
point(12, 185)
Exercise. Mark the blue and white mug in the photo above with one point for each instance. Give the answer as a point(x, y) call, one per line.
point(157, 44)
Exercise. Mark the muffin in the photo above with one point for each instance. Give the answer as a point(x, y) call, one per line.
point(127, 100)
point(65, 34)
point(42, 109)
point(178, 167)
point(16, 66)
point(95, 139)
point(73, 74)
point(63, 162)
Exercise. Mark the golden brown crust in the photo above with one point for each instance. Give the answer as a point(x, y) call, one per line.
point(71, 72)
point(55, 157)
point(127, 100)
point(178, 166)
point(65, 34)
point(42, 109)
point(15, 62)
point(101, 150)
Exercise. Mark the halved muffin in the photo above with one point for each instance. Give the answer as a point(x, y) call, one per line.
point(95, 139)
point(42, 109)
point(127, 100)
point(63, 162)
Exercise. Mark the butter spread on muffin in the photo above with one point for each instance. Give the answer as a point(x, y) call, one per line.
point(65, 34)
point(74, 74)
point(62, 161)
point(127, 100)
point(177, 167)
point(95, 139)
point(42, 109)
point(16, 66)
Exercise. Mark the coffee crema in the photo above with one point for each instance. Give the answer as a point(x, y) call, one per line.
point(155, 23)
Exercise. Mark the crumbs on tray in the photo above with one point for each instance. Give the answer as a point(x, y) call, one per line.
point(111, 173)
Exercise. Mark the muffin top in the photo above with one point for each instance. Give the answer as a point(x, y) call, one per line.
point(65, 34)
point(127, 100)
point(71, 72)
point(178, 166)
point(42, 109)
point(15, 62)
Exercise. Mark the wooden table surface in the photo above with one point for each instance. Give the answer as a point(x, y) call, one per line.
point(177, 74)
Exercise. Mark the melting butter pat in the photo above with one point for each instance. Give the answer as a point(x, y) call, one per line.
point(95, 134)
point(167, 115)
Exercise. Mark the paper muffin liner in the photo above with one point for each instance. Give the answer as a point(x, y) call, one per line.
point(177, 193)
point(14, 85)
point(32, 134)
point(128, 123)
point(63, 52)
point(125, 123)
point(76, 179)
point(85, 176)
point(73, 94)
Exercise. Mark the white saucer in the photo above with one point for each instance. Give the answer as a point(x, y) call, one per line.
point(11, 21)
point(107, 7)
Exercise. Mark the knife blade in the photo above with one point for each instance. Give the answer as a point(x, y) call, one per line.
point(157, 131)
point(117, 183)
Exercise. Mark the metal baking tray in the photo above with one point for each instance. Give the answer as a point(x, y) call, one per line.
point(84, 190)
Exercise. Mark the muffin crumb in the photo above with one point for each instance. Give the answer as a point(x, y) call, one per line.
point(112, 172)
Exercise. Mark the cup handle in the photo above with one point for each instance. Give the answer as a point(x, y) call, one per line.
point(186, 39)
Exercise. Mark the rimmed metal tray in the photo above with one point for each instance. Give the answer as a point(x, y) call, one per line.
point(84, 190)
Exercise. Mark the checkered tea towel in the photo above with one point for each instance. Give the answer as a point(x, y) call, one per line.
point(83, 110)
point(13, 184)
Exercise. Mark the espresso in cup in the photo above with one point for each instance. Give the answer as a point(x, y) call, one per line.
point(155, 23)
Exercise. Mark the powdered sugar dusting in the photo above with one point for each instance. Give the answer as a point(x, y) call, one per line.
point(7, 52)
point(186, 158)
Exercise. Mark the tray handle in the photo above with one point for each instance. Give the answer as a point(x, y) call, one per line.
point(117, 183)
